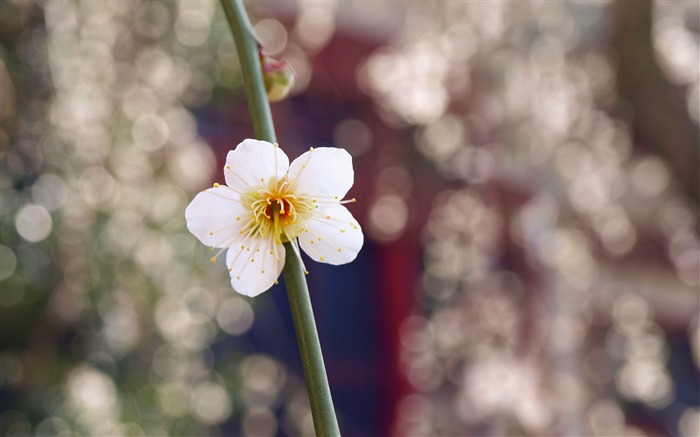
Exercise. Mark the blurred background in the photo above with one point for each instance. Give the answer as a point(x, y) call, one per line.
point(527, 177)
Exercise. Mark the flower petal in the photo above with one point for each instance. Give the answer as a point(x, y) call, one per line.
point(215, 215)
point(325, 171)
point(256, 267)
point(252, 160)
point(332, 236)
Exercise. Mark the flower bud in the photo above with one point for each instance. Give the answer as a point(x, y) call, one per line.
point(278, 77)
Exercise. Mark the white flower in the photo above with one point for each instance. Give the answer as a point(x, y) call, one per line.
point(267, 202)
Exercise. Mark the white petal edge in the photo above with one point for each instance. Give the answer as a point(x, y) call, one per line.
point(322, 172)
point(335, 240)
point(253, 269)
point(213, 216)
point(252, 160)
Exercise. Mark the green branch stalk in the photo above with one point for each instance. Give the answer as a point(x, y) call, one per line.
point(325, 422)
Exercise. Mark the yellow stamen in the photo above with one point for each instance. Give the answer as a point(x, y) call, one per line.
point(277, 226)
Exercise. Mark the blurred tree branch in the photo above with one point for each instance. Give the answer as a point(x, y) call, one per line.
point(660, 119)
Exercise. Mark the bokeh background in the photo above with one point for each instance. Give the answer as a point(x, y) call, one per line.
point(527, 176)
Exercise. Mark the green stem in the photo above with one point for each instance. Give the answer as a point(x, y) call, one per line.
point(249, 56)
point(325, 422)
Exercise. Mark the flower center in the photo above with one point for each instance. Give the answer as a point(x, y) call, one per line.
point(277, 210)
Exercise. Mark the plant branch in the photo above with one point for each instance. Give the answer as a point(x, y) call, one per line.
point(247, 46)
